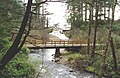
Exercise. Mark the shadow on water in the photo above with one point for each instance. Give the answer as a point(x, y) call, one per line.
point(49, 69)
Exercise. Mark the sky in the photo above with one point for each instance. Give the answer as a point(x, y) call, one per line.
point(59, 13)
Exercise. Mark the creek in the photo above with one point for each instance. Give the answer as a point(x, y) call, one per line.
point(51, 69)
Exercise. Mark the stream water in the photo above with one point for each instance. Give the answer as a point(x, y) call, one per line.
point(49, 69)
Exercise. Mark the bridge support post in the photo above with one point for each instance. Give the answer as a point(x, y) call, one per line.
point(57, 55)
point(57, 52)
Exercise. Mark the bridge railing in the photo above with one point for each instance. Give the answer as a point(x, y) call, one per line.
point(32, 42)
point(61, 42)
point(55, 42)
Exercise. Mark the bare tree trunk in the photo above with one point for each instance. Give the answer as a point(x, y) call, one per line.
point(113, 54)
point(92, 13)
point(109, 35)
point(27, 33)
point(89, 31)
point(104, 10)
point(16, 46)
point(109, 11)
point(81, 9)
point(85, 11)
point(13, 50)
point(12, 36)
point(95, 31)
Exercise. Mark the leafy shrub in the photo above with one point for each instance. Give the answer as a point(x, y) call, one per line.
point(19, 67)
point(90, 68)
point(117, 42)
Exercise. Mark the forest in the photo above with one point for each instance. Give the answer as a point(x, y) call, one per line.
point(92, 21)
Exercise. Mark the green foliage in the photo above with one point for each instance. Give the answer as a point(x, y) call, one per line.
point(10, 11)
point(76, 19)
point(4, 45)
point(75, 16)
point(90, 68)
point(6, 15)
point(72, 57)
point(117, 42)
point(116, 28)
point(79, 15)
point(80, 61)
point(19, 67)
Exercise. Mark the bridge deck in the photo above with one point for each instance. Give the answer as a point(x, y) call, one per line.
point(38, 44)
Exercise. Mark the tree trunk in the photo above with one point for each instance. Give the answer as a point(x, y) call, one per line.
point(13, 50)
point(108, 11)
point(57, 52)
point(81, 9)
point(29, 24)
point(95, 30)
point(113, 54)
point(109, 35)
point(85, 11)
point(104, 10)
point(89, 31)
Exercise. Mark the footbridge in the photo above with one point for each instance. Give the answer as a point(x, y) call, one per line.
point(41, 44)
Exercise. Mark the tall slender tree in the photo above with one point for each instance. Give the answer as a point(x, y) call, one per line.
point(95, 27)
point(89, 28)
point(109, 40)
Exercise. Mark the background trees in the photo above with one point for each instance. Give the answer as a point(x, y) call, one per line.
point(96, 17)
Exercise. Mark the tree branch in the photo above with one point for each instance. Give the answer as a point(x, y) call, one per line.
point(29, 24)
point(37, 5)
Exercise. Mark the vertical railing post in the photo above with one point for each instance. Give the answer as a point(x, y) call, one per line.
point(72, 43)
point(55, 43)
point(45, 43)
point(64, 43)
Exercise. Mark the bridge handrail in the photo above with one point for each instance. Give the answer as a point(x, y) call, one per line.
point(35, 41)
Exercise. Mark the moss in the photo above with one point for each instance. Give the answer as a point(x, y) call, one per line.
point(72, 57)
point(90, 68)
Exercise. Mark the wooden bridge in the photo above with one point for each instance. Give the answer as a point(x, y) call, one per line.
point(40, 44)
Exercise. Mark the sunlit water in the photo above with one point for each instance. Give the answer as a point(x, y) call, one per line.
point(59, 35)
